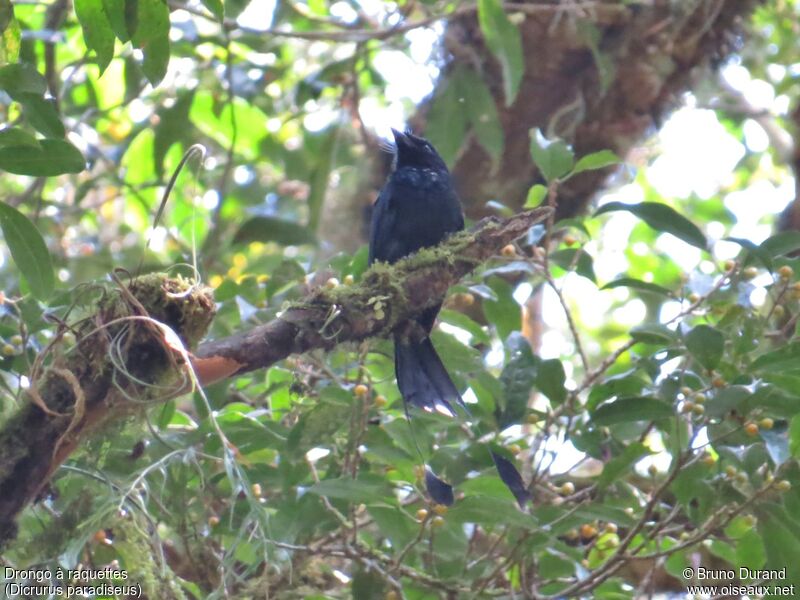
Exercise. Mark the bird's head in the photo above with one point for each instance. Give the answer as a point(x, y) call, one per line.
point(414, 151)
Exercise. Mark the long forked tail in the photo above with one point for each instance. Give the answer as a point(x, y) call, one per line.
point(422, 378)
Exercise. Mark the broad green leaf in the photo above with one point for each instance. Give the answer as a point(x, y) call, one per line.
point(152, 37)
point(173, 126)
point(447, 121)
point(536, 196)
point(215, 6)
point(462, 321)
point(482, 113)
point(270, 229)
point(97, 31)
point(14, 136)
point(628, 410)
point(553, 158)
point(518, 378)
point(637, 284)
point(577, 259)
point(42, 114)
point(10, 33)
point(21, 78)
point(781, 243)
point(782, 359)
point(504, 40)
point(618, 465)
point(653, 333)
point(594, 161)
point(706, 344)
point(661, 218)
point(354, 490)
point(320, 176)
point(52, 157)
point(794, 436)
point(489, 511)
point(550, 380)
point(233, 8)
point(504, 313)
point(28, 251)
point(121, 17)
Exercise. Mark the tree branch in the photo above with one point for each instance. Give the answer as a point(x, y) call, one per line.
point(124, 358)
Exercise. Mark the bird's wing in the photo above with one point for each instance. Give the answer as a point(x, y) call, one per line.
point(382, 239)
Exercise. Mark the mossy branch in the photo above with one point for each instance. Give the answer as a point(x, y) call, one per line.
point(123, 359)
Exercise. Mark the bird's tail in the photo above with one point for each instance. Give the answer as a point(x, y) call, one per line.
point(422, 378)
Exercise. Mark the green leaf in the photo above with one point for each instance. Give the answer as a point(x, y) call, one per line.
point(575, 258)
point(504, 40)
point(447, 121)
point(121, 16)
point(628, 410)
point(320, 176)
point(518, 378)
point(28, 251)
point(706, 344)
point(553, 158)
point(173, 126)
point(782, 359)
point(550, 380)
point(794, 436)
point(489, 511)
point(504, 313)
point(42, 114)
point(781, 244)
point(152, 37)
point(482, 113)
point(215, 6)
point(536, 195)
point(14, 136)
point(354, 490)
point(619, 465)
point(594, 161)
point(10, 33)
point(270, 229)
point(661, 218)
point(52, 157)
point(21, 78)
point(637, 284)
point(653, 333)
point(97, 31)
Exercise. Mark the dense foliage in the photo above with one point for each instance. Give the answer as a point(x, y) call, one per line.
point(655, 424)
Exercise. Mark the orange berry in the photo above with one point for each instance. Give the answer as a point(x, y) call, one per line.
point(422, 514)
point(588, 531)
point(360, 390)
point(751, 429)
point(509, 251)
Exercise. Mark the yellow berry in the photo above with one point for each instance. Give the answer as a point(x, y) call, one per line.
point(749, 273)
point(730, 265)
point(332, 283)
point(422, 514)
point(778, 311)
point(509, 251)
point(570, 240)
point(440, 509)
point(256, 488)
point(751, 429)
point(466, 299)
point(698, 409)
point(8, 350)
point(532, 419)
point(419, 471)
point(699, 398)
point(709, 460)
point(783, 485)
point(262, 279)
point(687, 406)
point(686, 391)
point(693, 297)
point(437, 521)
point(786, 272)
point(572, 535)
point(567, 488)
point(718, 382)
point(213, 521)
point(588, 531)
point(611, 528)
point(652, 470)
point(766, 423)
point(360, 390)
point(16, 339)
point(349, 280)
point(741, 478)
point(391, 595)
point(515, 449)
point(730, 471)
point(380, 401)
point(685, 535)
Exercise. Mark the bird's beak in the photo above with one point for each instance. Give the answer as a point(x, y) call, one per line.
point(400, 138)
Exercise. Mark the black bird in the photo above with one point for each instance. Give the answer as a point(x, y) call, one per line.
point(418, 207)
